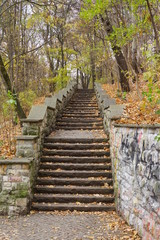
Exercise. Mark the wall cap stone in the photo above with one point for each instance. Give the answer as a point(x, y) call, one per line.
point(26, 137)
point(114, 111)
point(137, 126)
point(37, 112)
point(16, 161)
point(51, 102)
point(26, 120)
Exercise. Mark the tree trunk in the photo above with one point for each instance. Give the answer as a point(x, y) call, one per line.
point(8, 85)
point(154, 28)
point(121, 61)
point(134, 55)
point(93, 67)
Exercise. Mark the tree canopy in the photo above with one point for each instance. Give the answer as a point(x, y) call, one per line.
point(45, 43)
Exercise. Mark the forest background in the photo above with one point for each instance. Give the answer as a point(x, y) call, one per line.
point(45, 43)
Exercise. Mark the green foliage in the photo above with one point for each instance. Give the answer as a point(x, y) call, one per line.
point(151, 77)
point(158, 137)
point(124, 95)
point(11, 99)
point(9, 104)
point(62, 78)
point(27, 98)
point(1, 143)
point(158, 112)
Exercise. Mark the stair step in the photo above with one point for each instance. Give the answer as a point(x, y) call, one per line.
point(79, 128)
point(69, 198)
point(82, 103)
point(80, 120)
point(76, 140)
point(82, 107)
point(75, 174)
point(87, 167)
point(78, 115)
point(82, 113)
point(69, 124)
point(77, 153)
point(81, 110)
point(75, 159)
point(73, 190)
point(66, 146)
point(73, 207)
point(74, 181)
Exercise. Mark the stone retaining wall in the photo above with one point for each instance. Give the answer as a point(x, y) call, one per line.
point(17, 177)
point(136, 169)
point(16, 181)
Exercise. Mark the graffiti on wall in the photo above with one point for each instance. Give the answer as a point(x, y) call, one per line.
point(133, 150)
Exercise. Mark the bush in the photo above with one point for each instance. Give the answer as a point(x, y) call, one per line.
point(27, 98)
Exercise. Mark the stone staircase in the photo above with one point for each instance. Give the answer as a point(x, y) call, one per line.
point(75, 168)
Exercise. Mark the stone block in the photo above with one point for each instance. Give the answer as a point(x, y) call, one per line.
point(3, 209)
point(7, 186)
point(114, 111)
point(5, 178)
point(15, 179)
point(59, 96)
point(13, 210)
point(31, 130)
point(51, 102)
point(22, 202)
point(37, 112)
point(107, 102)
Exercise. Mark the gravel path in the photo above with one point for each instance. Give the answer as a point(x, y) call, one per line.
point(66, 226)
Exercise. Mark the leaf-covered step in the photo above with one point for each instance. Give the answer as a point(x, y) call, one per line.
point(80, 115)
point(75, 174)
point(76, 140)
point(87, 167)
point(71, 146)
point(82, 107)
point(78, 124)
point(77, 153)
point(74, 181)
point(73, 207)
point(80, 120)
point(75, 159)
point(69, 198)
point(73, 190)
point(79, 128)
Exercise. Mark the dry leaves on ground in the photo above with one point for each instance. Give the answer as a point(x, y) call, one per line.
point(137, 109)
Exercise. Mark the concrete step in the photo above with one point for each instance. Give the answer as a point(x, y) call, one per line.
point(73, 207)
point(83, 102)
point(69, 198)
point(83, 124)
point(75, 174)
point(78, 166)
point(78, 128)
point(76, 140)
point(75, 159)
point(80, 120)
point(81, 109)
point(72, 146)
point(84, 106)
point(80, 115)
point(74, 181)
point(77, 153)
point(73, 190)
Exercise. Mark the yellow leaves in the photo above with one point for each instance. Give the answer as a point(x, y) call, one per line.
point(8, 132)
